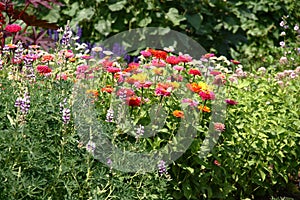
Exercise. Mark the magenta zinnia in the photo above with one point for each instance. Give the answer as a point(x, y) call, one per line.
point(13, 28)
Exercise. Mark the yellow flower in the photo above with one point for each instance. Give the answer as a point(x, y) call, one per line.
point(141, 77)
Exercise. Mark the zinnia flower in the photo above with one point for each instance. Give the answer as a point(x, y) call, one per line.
point(235, 62)
point(146, 53)
point(113, 69)
point(208, 55)
point(195, 72)
point(231, 102)
point(163, 89)
point(125, 92)
point(107, 89)
point(43, 69)
point(185, 58)
point(133, 101)
point(194, 87)
point(204, 108)
point(158, 54)
point(178, 113)
point(47, 57)
point(13, 28)
point(173, 60)
point(217, 163)
point(219, 127)
point(207, 95)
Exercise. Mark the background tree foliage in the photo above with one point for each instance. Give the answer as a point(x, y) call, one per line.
point(234, 28)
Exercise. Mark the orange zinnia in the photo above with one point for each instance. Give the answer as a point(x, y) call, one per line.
point(204, 108)
point(107, 89)
point(194, 87)
point(93, 92)
point(178, 113)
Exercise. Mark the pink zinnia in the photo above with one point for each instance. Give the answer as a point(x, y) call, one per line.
point(219, 127)
point(139, 85)
point(173, 60)
point(163, 90)
point(214, 73)
point(217, 163)
point(113, 69)
point(219, 79)
point(158, 63)
point(125, 92)
point(231, 102)
point(146, 53)
point(208, 55)
point(13, 28)
point(178, 68)
point(207, 95)
point(185, 58)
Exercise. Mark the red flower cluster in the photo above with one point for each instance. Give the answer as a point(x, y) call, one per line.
point(173, 60)
point(13, 28)
point(195, 72)
point(43, 69)
point(158, 54)
point(133, 101)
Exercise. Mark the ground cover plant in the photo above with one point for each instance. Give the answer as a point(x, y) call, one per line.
point(43, 155)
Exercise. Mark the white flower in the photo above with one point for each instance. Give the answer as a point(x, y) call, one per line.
point(96, 49)
point(108, 53)
point(296, 27)
point(169, 49)
point(90, 146)
point(282, 33)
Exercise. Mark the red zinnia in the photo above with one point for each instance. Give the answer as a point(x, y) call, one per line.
point(231, 102)
point(13, 28)
point(235, 62)
point(107, 89)
point(113, 69)
point(195, 72)
point(158, 53)
point(133, 101)
point(207, 95)
point(43, 69)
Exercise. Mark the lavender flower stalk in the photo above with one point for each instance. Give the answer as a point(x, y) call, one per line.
point(110, 115)
point(23, 103)
point(162, 167)
point(65, 41)
point(139, 131)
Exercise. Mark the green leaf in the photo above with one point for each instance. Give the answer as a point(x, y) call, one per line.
point(117, 6)
point(174, 16)
point(53, 15)
point(72, 11)
point(144, 22)
point(104, 27)
point(262, 174)
point(195, 20)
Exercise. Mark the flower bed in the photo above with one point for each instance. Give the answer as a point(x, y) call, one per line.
point(43, 155)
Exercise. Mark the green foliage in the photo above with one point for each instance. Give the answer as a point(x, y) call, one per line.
point(241, 29)
point(259, 151)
